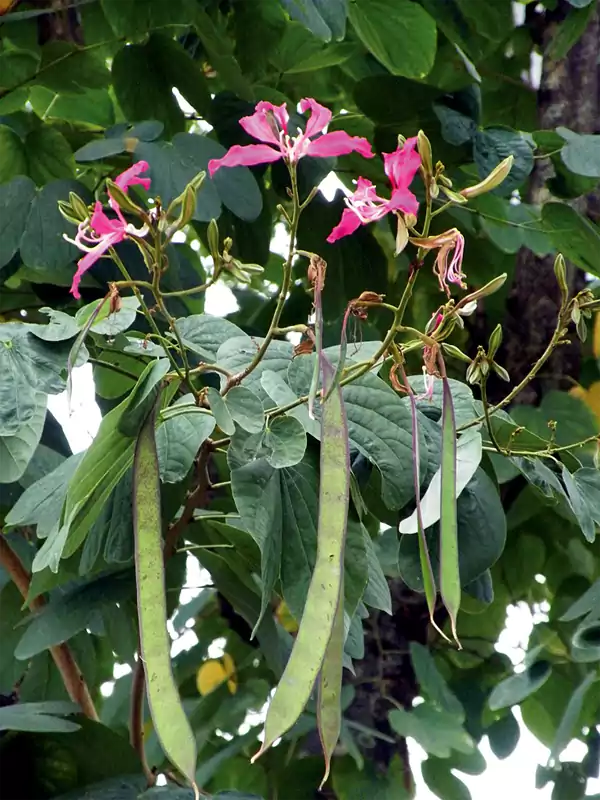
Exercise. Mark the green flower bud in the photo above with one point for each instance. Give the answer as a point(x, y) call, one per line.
point(123, 200)
point(493, 180)
point(500, 371)
point(67, 212)
point(495, 341)
point(213, 240)
point(424, 148)
point(455, 352)
point(79, 207)
point(560, 270)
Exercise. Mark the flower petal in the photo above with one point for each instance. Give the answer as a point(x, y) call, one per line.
point(101, 224)
point(90, 259)
point(244, 155)
point(404, 200)
point(320, 117)
point(259, 126)
point(131, 176)
point(402, 165)
point(339, 143)
point(349, 223)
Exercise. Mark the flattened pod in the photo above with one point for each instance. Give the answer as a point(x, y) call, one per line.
point(449, 571)
point(323, 596)
point(170, 721)
point(329, 709)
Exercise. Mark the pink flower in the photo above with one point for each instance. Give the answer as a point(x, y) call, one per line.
point(97, 235)
point(269, 124)
point(366, 206)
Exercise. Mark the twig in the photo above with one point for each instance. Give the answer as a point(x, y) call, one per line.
point(136, 719)
point(64, 659)
point(194, 500)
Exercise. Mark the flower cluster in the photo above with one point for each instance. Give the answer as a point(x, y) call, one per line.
point(98, 233)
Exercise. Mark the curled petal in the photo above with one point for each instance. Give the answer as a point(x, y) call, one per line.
point(402, 165)
point(262, 127)
point(339, 143)
point(131, 176)
point(349, 222)
point(88, 261)
point(101, 224)
point(320, 117)
point(244, 156)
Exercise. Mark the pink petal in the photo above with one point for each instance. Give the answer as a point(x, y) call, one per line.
point(260, 127)
point(320, 117)
point(339, 143)
point(244, 156)
point(347, 225)
point(404, 200)
point(402, 165)
point(90, 259)
point(101, 224)
point(130, 176)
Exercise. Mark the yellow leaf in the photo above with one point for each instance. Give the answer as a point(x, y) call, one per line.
point(592, 399)
point(596, 342)
point(210, 676)
point(285, 618)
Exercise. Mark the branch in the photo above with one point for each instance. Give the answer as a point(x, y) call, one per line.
point(63, 657)
point(136, 718)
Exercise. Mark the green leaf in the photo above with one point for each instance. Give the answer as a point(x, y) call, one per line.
point(515, 689)
point(572, 712)
point(442, 781)
point(220, 411)
point(379, 425)
point(94, 108)
point(575, 237)
point(468, 457)
point(281, 394)
point(204, 334)
point(583, 491)
point(42, 246)
point(401, 35)
point(493, 145)
point(143, 396)
point(237, 353)
point(353, 783)
point(106, 322)
point(39, 717)
point(436, 731)
point(571, 29)
point(220, 48)
point(68, 68)
point(98, 149)
point(257, 495)
point(285, 438)
point(16, 450)
point(174, 164)
point(431, 682)
point(15, 202)
point(246, 409)
point(41, 503)
point(179, 438)
point(504, 735)
point(103, 465)
point(581, 153)
point(13, 159)
point(168, 716)
point(73, 611)
point(481, 535)
point(308, 14)
point(377, 592)
point(588, 601)
point(49, 155)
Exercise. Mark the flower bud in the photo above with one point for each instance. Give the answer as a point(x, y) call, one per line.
point(401, 236)
point(501, 372)
point(424, 148)
point(560, 270)
point(213, 240)
point(79, 207)
point(456, 197)
point(485, 291)
point(473, 373)
point(495, 342)
point(187, 203)
point(67, 212)
point(117, 195)
point(493, 180)
point(455, 352)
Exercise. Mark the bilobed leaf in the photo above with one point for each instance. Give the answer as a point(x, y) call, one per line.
point(281, 394)
point(237, 353)
point(324, 594)
point(504, 735)
point(442, 781)
point(583, 491)
point(179, 438)
point(42, 246)
point(16, 450)
point(401, 35)
point(246, 409)
point(13, 159)
point(449, 560)
point(581, 153)
point(257, 496)
point(49, 155)
point(220, 411)
point(169, 719)
point(306, 12)
point(16, 197)
point(109, 322)
point(285, 439)
point(515, 689)
point(204, 334)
